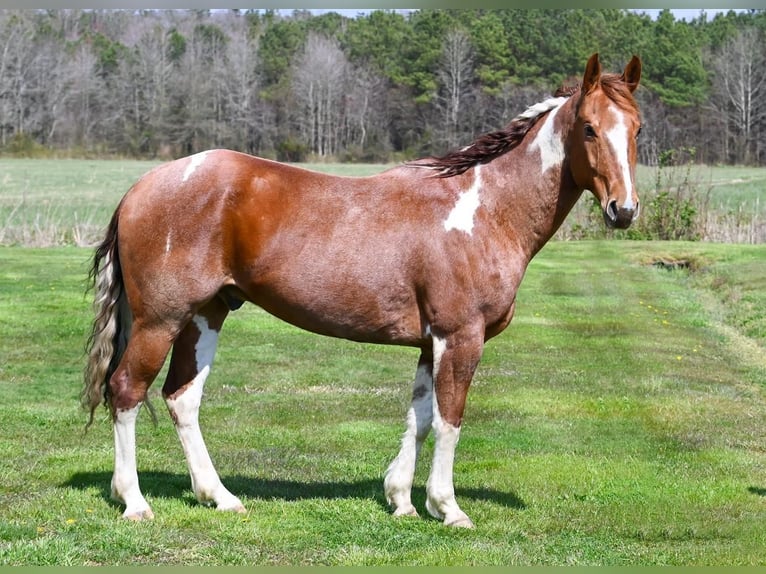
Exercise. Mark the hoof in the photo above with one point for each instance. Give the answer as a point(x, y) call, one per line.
point(459, 522)
point(138, 515)
point(238, 508)
point(406, 511)
point(226, 502)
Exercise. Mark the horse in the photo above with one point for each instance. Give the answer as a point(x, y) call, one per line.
point(427, 254)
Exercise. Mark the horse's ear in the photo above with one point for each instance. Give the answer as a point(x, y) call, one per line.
point(592, 74)
point(632, 73)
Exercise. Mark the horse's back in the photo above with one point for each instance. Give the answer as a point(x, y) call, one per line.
point(330, 254)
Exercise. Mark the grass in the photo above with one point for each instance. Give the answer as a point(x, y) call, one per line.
point(52, 202)
point(68, 202)
point(723, 204)
point(731, 187)
point(618, 420)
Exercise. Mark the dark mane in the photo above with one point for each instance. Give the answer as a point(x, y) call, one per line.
point(484, 149)
point(494, 144)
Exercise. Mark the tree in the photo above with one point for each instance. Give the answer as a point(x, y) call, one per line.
point(366, 118)
point(250, 126)
point(319, 84)
point(738, 95)
point(376, 41)
point(455, 92)
point(677, 74)
point(380, 86)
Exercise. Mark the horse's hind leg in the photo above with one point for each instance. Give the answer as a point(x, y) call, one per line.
point(142, 360)
point(190, 365)
point(400, 473)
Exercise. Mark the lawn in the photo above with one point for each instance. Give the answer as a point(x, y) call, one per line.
point(618, 420)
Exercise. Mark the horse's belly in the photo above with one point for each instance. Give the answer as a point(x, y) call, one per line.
point(341, 306)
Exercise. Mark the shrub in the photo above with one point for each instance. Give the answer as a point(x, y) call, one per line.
point(678, 206)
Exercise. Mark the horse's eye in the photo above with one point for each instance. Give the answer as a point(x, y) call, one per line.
point(590, 133)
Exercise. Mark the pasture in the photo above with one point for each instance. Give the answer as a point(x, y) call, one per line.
point(618, 420)
point(615, 422)
point(49, 202)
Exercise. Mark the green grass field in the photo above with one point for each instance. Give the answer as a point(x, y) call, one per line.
point(618, 421)
point(48, 202)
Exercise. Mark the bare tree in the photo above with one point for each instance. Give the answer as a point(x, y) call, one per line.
point(455, 76)
point(85, 93)
point(17, 68)
point(151, 91)
point(249, 124)
point(738, 94)
point(319, 85)
point(366, 111)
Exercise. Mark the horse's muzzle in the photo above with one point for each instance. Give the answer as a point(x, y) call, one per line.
point(619, 217)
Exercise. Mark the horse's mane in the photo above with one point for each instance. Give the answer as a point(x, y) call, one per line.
point(488, 146)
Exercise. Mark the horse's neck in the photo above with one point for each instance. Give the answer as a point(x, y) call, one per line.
point(535, 199)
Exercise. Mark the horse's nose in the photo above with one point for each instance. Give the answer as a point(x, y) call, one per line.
point(618, 217)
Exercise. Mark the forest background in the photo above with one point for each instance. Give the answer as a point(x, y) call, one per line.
point(378, 87)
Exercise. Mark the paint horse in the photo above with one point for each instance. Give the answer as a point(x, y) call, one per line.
point(428, 254)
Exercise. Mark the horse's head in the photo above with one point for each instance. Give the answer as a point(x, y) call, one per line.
point(602, 144)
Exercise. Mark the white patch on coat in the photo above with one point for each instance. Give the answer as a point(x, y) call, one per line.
point(548, 141)
point(439, 346)
point(617, 137)
point(194, 162)
point(461, 216)
point(207, 343)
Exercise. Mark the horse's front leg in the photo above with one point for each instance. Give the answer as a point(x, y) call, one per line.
point(455, 360)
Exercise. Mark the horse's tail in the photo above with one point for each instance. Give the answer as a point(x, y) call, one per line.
point(111, 326)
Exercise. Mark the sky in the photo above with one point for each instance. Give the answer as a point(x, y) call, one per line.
point(351, 8)
point(679, 13)
point(688, 13)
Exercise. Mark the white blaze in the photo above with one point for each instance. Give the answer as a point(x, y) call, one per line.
point(461, 216)
point(617, 137)
point(194, 162)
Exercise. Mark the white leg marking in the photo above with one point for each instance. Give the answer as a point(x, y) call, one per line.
point(184, 409)
point(400, 473)
point(194, 162)
point(440, 500)
point(125, 487)
point(617, 137)
point(547, 140)
point(461, 216)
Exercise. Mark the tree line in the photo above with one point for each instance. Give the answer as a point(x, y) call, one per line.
point(380, 86)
